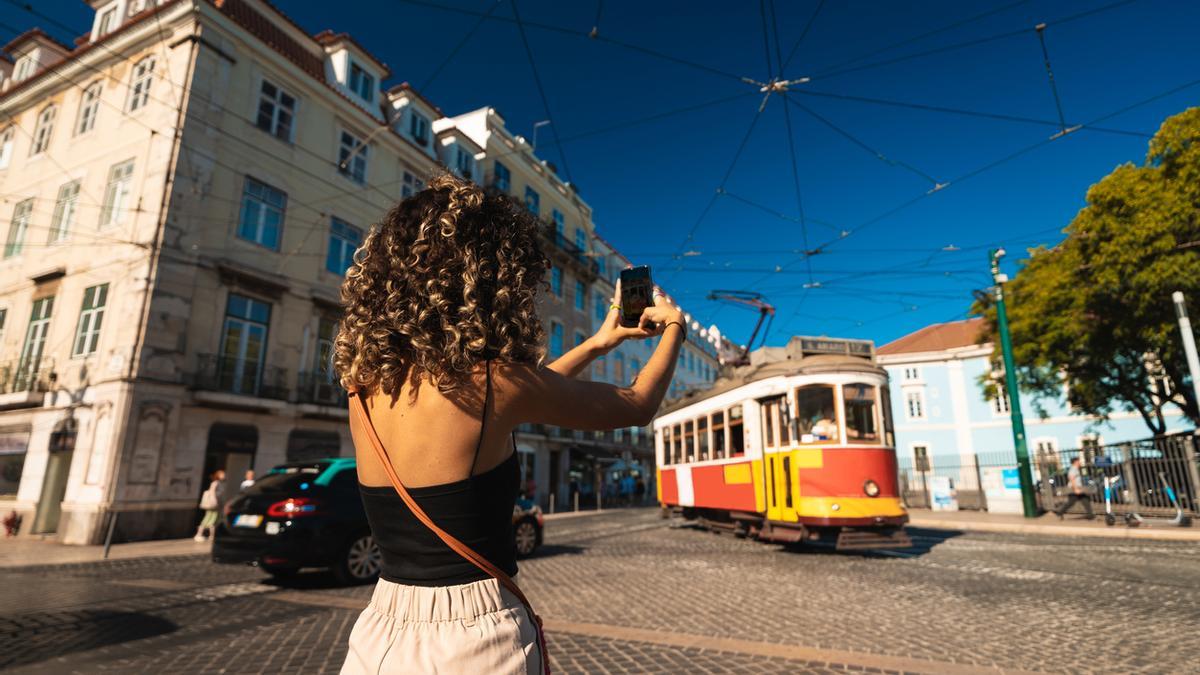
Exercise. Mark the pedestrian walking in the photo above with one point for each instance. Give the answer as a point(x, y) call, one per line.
point(1078, 492)
point(639, 490)
point(248, 481)
point(210, 502)
point(441, 350)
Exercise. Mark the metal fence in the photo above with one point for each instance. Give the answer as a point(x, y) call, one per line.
point(1143, 467)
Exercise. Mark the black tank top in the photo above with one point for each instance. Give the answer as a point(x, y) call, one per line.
point(476, 510)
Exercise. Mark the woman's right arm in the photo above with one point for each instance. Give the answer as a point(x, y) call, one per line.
point(544, 396)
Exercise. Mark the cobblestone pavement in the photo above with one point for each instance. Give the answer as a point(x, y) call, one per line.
point(626, 592)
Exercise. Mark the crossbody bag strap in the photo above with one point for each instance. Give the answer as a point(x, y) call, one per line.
point(358, 409)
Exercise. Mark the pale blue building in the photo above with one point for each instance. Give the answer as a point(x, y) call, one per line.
point(944, 421)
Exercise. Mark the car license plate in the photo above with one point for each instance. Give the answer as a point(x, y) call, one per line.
point(273, 527)
point(247, 520)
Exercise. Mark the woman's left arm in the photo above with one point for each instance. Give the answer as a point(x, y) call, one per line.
point(611, 334)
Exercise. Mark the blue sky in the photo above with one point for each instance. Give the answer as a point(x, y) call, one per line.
point(649, 183)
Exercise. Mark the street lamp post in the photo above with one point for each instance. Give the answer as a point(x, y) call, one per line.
point(1024, 474)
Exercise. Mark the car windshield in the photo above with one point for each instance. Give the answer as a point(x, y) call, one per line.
point(289, 478)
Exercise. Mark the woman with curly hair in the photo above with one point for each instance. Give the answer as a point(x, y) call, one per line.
point(442, 350)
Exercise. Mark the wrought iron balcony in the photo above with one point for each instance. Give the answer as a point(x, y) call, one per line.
point(26, 375)
point(234, 375)
point(320, 389)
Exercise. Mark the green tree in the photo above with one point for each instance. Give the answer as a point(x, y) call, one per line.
point(1095, 311)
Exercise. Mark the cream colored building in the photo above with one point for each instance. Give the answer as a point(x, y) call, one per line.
point(182, 191)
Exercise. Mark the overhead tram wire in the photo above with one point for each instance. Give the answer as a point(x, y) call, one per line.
point(537, 79)
point(967, 44)
point(787, 118)
point(584, 34)
point(458, 47)
point(803, 34)
point(1062, 121)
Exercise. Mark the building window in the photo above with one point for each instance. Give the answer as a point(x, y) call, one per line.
point(412, 185)
point(556, 280)
point(35, 342)
point(464, 162)
point(912, 373)
point(91, 315)
point(344, 240)
point(502, 178)
point(999, 400)
point(65, 208)
point(23, 69)
point(599, 305)
point(3, 318)
point(580, 296)
point(602, 265)
point(560, 235)
point(6, 147)
point(323, 365)
point(362, 83)
point(418, 128)
point(635, 367)
point(914, 405)
point(580, 338)
point(619, 368)
point(556, 339)
point(17, 228)
point(352, 158)
point(581, 241)
point(600, 369)
point(276, 111)
point(262, 213)
point(89, 105)
point(532, 200)
point(920, 458)
point(139, 86)
point(43, 130)
point(243, 344)
point(116, 194)
point(108, 21)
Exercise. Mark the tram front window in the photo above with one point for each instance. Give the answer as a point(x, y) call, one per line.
point(737, 441)
point(860, 413)
point(815, 414)
point(718, 431)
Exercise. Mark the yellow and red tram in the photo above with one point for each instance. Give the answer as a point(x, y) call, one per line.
point(797, 446)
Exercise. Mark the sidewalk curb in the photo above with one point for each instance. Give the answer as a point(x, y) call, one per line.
point(1122, 532)
point(588, 512)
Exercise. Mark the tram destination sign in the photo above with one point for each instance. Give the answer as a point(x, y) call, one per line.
point(847, 347)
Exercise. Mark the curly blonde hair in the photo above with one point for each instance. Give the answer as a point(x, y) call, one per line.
point(446, 280)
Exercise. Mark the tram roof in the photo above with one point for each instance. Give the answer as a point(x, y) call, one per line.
point(797, 358)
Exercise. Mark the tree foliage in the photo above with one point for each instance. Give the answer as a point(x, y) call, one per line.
point(1095, 311)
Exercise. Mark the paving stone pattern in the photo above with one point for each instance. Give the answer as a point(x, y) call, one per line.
point(995, 601)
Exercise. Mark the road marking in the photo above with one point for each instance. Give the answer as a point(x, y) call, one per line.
point(767, 649)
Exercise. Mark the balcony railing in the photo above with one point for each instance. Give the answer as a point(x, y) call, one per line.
point(25, 375)
point(580, 255)
point(321, 389)
point(234, 375)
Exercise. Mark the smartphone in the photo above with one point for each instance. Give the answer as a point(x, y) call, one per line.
point(637, 293)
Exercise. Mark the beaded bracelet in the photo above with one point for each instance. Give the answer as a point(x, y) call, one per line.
point(682, 328)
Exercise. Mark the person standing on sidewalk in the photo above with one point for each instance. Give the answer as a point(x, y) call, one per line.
point(248, 481)
point(442, 352)
point(210, 502)
point(1078, 492)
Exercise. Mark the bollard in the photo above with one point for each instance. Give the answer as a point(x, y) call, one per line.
point(112, 525)
point(551, 502)
point(576, 501)
point(599, 493)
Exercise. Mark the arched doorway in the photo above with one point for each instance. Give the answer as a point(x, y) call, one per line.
point(230, 447)
point(54, 483)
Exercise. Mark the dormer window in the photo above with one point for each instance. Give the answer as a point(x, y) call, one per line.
point(362, 83)
point(464, 162)
point(23, 69)
point(108, 20)
point(418, 128)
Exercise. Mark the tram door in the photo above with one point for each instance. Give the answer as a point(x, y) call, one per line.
point(782, 487)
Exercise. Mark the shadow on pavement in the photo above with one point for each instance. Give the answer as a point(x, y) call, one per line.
point(550, 550)
point(923, 541)
point(44, 635)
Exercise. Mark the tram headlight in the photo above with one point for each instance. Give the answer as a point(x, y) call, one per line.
point(871, 488)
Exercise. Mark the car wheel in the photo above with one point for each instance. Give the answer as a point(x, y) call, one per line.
point(525, 535)
point(361, 561)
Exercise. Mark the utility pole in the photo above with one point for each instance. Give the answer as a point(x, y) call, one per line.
point(1010, 384)
point(1189, 342)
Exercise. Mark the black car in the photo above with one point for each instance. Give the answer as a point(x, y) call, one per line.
point(310, 514)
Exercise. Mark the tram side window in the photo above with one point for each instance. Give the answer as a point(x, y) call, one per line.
point(889, 436)
point(702, 437)
point(677, 436)
point(860, 413)
point(768, 409)
point(783, 422)
point(737, 441)
point(815, 414)
point(689, 440)
point(718, 434)
point(666, 445)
